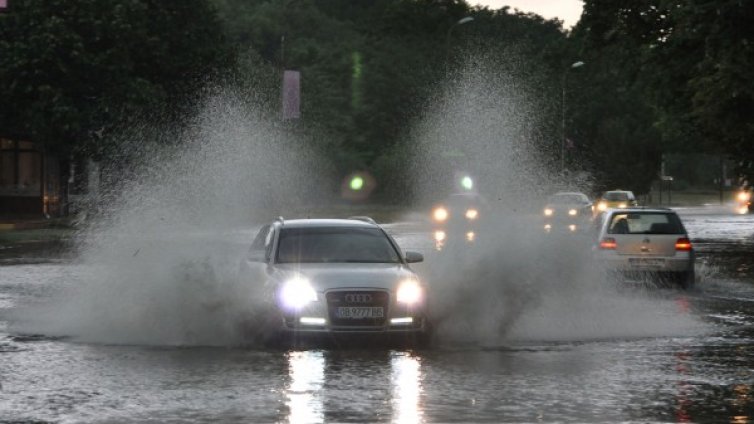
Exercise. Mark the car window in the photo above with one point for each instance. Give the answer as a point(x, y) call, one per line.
point(461, 201)
point(335, 244)
point(567, 199)
point(616, 195)
point(645, 223)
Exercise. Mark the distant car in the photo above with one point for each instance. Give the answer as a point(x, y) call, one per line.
point(616, 199)
point(567, 211)
point(647, 243)
point(458, 218)
point(337, 277)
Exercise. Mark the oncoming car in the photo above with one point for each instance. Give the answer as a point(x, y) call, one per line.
point(616, 199)
point(457, 219)
point(743, 200)
point(567, 211)
point(337, 276)
point(646, 243)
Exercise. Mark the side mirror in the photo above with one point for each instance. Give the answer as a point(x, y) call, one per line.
point(256, 256)
point(414, 257)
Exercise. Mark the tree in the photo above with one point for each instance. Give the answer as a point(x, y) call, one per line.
point(689, 62)
point(615, 118)
point(70, 71)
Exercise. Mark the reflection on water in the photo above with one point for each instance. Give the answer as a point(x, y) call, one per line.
point(683, 399)
point(407, 389)
point(306, 371)
point(741, 401)
point(317, 379)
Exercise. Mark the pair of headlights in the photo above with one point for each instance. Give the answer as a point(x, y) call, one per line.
point(602, 206)
point(441, 214)
point(571, 212)
point(298, 292)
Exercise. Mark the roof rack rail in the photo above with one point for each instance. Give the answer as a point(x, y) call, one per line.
point(280, 220)
point(363, 218)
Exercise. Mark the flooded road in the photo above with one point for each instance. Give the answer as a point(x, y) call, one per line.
point(641, 356)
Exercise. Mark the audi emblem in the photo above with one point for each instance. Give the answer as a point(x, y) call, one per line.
point(358, 298)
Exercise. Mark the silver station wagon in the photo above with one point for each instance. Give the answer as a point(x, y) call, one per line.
point(337, 277)
point(646, 243)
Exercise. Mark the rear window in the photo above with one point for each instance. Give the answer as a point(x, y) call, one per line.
point(336, 244)
point(645, 223)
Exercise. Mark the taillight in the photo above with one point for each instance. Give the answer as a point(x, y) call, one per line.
point(608, 243)
point(683, 244)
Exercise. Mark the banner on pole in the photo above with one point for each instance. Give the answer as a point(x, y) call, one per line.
point(291, 94)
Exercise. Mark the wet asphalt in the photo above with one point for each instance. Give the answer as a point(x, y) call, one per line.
point(624, 355)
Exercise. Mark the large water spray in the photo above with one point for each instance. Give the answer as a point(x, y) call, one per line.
point(161, 256)
point(515, 282)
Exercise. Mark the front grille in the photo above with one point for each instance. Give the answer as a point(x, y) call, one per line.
point(355, 299)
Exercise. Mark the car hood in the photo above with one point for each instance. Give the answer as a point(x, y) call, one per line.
point(325, 277)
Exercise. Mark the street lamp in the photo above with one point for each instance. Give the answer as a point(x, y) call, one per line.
point(461, 21)
point(574, 65)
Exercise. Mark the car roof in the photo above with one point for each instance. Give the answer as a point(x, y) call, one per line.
point(619, 191)
point(325, 222)
point(563, 193)
point(569, 194)
point(642, 209)
point(465, 194)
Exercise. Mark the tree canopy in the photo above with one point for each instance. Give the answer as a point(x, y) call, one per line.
point(660, 76)
point(71, 70)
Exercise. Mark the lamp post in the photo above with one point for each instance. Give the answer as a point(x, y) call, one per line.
point(461, 21)
point(574, 65)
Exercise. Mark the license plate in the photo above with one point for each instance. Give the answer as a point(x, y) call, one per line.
point(647, 263)
point(359, 312)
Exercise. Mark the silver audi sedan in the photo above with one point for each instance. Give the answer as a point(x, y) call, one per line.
point(337, 277)
point(646, 242)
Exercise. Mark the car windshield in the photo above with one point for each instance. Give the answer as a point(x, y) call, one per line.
point(566, 199)
point(463, 201)
point(645, 223)
point(335, 244)
point(616, 195)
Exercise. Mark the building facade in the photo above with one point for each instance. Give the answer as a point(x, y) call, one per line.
point(30, 183)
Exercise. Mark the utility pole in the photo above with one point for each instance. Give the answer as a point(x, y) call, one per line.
point(574, 65)
point(461, 21)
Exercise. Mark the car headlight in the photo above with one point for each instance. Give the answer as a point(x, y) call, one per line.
point(440, 214)
point(602, 206)
point(573, 212)
point(409, 292)
point(297, 293)
point(743, 196)
point(472, 214)
point(548, 212)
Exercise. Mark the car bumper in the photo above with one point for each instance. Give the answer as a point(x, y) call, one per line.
point(320, 318)
point(681, 262)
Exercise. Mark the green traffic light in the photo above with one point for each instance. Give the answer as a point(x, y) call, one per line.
point(357, 183)
point(467, 183)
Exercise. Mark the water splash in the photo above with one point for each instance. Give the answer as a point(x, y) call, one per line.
point(516, 283)
point(162, 256)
